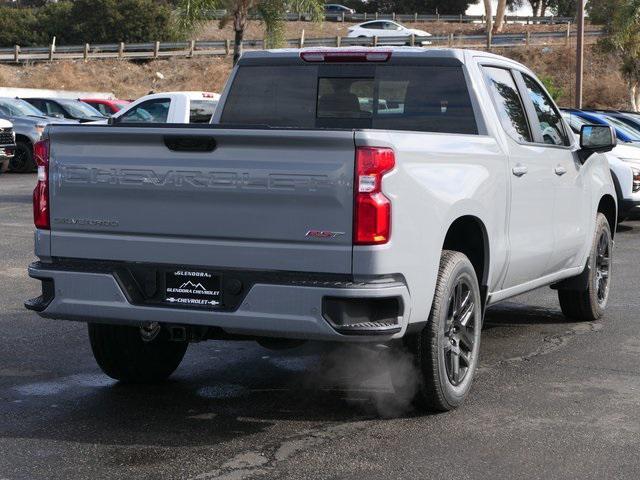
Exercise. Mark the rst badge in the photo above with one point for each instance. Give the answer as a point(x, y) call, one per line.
point(323, 234)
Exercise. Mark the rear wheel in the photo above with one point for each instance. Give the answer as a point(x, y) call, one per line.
point(445, 352)
point(22, 160)
point(133, 354)
point(588, 304)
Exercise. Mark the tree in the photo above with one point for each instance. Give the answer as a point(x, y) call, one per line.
point(271, 12)
point(101, 21)
point(623, 27)
point(445, 7)
point(500, 11)
point(563, 8)
point(488, 14)
point(88, 21)
point(621, 20)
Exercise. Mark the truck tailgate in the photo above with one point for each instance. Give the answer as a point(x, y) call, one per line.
point(143, 194)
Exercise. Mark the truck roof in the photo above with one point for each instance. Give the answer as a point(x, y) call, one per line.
point(457, 55)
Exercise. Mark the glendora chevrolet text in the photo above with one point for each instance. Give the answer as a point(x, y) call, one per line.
point(379, 196)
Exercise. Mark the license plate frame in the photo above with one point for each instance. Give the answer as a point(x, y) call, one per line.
point(192, 288)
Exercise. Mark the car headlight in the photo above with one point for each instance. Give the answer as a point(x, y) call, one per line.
point(636, 180)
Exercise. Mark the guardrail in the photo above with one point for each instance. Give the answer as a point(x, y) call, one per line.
point(154, 50)
point(410, 17)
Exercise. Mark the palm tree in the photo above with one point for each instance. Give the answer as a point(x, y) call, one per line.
point(270, 12)
point(488, 14)
point(500, 10)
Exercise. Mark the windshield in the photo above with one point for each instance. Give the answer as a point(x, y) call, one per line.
point(575, 122)
point(80, 109)
point(18, 108)
point(628, 130)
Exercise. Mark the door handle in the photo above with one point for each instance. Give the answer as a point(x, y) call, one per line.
point(190, 143)
point(519, 170)
point(560, 170)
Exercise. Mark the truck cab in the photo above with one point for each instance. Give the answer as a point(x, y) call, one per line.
point(169, 107)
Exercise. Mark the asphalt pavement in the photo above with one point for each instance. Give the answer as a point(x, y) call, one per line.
point(552, 399)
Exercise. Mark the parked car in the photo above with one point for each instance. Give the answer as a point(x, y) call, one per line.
point(66, 108)
point(334, 8)
point(298, 215)
point(28, 124)
point(105, 106)
point(624, 162)
point(169, 107)
point(624, 132)
point(7, 144)
point(633, 116)
point(386, 29)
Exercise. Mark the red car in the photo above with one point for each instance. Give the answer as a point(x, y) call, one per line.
point(106, 107)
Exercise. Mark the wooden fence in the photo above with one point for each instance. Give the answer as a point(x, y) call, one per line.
point(155, 50)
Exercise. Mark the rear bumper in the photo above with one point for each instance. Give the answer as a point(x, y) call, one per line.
point(297, 307)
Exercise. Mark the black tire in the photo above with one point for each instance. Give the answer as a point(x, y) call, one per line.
point(589, 303)
point(434, 348)
point(122, 354)
point(22, 160)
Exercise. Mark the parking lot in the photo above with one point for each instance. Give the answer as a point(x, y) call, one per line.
point(552, 399)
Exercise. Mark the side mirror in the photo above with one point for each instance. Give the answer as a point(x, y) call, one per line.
point(596, 139)
point(112, 120)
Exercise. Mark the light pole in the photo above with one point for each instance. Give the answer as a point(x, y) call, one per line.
point(579, 52)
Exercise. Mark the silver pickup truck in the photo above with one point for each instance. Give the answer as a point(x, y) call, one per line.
point(366, 195)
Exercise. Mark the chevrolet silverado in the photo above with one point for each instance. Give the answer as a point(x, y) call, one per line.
point(305, 212)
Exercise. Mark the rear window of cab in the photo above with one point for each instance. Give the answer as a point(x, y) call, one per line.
point(387, 97)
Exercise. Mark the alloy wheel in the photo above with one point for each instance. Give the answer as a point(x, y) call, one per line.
point(459, 332)
point(602, 268)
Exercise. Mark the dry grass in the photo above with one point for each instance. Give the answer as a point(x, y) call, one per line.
point(255, 29)
point(125, 79)
point(603, 84)
point(603, 87)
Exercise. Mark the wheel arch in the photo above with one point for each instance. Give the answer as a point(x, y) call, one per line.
point(468, 234)
point(607, 206)
point(23, 138)
point(618, 188)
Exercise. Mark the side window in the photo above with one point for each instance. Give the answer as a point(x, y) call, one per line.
point(200, 111)
point(374, 26)
point(508, 103)
point(53, 108)
point(39, 104)
point(101, 108)
point(151, 111)
point(551, 127)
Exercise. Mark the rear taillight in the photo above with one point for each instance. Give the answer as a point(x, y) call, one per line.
point(41, 192)
point(372, 211)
